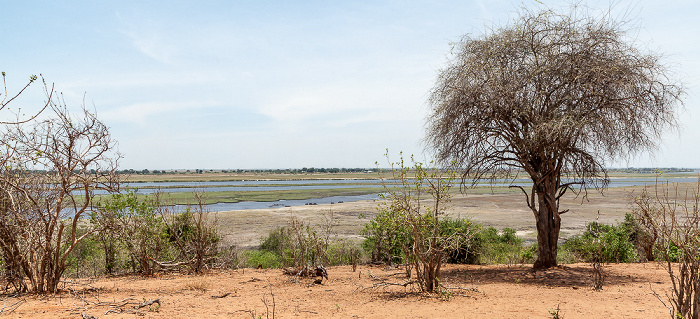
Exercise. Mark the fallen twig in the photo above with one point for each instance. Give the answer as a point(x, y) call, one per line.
point(472, 289)
point(9, 309)
point(87, 316)
point(117, 307)
point(385, 284)
point(148, 303)
point(222, 296)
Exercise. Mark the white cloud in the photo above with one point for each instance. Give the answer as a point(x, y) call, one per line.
point(147, 37)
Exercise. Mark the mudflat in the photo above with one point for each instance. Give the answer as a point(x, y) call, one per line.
point(498, 207)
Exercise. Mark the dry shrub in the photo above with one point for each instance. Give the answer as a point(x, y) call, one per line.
point(672, 214)
point(48, 177)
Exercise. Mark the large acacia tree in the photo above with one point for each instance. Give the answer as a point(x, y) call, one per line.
point(554, 96)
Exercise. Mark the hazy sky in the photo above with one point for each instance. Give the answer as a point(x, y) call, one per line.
point(284, 84)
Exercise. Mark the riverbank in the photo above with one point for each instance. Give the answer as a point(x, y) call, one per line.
point(500, 207)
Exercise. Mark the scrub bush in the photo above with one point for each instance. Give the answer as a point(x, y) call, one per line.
point(604, 243)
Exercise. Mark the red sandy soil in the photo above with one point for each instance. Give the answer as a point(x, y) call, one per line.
point(486, 292)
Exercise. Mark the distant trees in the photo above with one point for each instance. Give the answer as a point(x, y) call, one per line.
point(555, 96)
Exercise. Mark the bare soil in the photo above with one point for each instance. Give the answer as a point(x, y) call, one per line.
point(478, 292)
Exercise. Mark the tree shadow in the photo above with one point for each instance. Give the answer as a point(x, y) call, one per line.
point(575, 276)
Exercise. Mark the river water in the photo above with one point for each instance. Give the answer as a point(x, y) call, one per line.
point(262, 185)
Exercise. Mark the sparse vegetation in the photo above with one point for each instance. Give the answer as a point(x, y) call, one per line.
point(136, 226)
point(480, 245)
point(194, 235)
point(673, 216)
point(185, 198)
point(555, 312)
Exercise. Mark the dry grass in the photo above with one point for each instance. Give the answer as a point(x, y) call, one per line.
point(200, 284)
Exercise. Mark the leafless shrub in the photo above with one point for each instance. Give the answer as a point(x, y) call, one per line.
point(50, 172)
point(230, 257)
point(307, 245)
point(598, 275)
point(7, 99)
point(673, 215)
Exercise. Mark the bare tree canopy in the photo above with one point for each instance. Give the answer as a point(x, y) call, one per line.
point(556, 96)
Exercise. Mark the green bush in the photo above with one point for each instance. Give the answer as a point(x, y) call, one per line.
point(262, 259)
point(466, 253)
point(134, 224)
point(344, 252)
point(276, 240)
point(85, 259)
point(529, 254)
point(194, 235)
point(385, 239)
point(602, 243)
point(300, 244)
point(492, 248)
point(478, 245)
point(647, 244)
point(672, 253)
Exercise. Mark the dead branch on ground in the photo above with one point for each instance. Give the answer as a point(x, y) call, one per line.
point(6, 309)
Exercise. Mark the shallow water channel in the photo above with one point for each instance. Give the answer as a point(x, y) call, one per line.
point(243, 186)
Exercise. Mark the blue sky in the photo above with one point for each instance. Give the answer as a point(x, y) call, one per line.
point(284, 84)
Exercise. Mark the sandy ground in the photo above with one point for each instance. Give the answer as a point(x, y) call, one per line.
point(501, 208)
point(488, 292)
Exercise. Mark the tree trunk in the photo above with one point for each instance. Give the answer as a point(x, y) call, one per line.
point(110, 257)
point(548, 224)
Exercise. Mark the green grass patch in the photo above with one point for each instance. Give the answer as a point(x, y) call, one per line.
point(185, 198)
